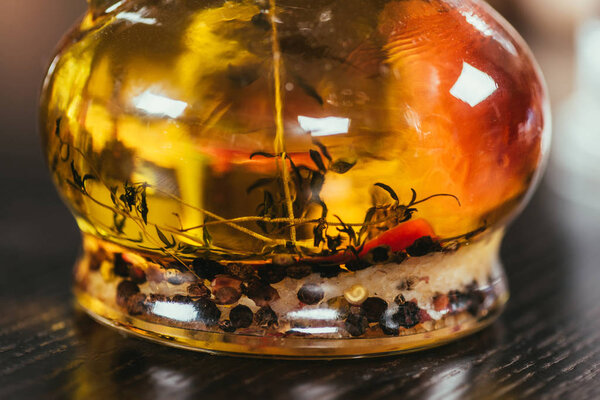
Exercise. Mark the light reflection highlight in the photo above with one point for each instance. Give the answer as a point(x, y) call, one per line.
point(321, 314)
point(159, 105)
point(324, 126)
point(176, 311)
point(315, 331)
point(486, 30)
point(136, 18)
point(473, 86)
point(113, 7)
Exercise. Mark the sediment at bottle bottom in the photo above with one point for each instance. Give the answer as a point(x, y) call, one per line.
point(296, 312)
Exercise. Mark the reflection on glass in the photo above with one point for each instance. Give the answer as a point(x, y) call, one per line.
point(136, 17)
point(273, 177)
point(473, 86)
point(155, 104)
point(324, 126)
point(176, 311)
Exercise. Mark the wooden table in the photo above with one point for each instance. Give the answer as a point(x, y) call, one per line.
point(546, 344)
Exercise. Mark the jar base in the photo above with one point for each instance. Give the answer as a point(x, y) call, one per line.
point(383, 309)
point(286, 348)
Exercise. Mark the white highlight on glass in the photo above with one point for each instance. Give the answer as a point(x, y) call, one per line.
point(176, 311)
point(324, 126)
point(114, 7)
point(136, 18)
point(315, 331)
point(321, 314)
point(473, 86)
point(159, 105)
point(475, 21)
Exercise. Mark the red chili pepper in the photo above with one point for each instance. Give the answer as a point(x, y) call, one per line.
point(400, 237)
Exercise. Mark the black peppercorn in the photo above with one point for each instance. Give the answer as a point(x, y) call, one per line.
point(388, 324)
point(259, 292)
point(207, 269)
point(423, 246)
point(298, 271)
point(310, 294)
point(380, 254)
point(198, 290)
point(477, 299)
point(271, 273)
point(470, 301)
point(265, 317)
point(373, 308)
point(458, 301)
point(327, 271)
point(208, 312)
point(136, 304)
point(241, 316)
point(408, 315)
point(405, 315)
point(242, 271)
point(121, 267)
point(357, 265)
point(356, 324)
point(179, 298)
point(126, 289)
point(227, 295)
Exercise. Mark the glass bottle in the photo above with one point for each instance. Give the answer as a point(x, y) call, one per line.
point(314, 179)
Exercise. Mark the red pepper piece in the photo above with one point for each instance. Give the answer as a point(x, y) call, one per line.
point(401, 237)
point(398, 238)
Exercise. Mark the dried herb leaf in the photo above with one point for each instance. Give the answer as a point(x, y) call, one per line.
point(77, 180)
point(207, 236)
point(333, 242)
point(143, 206)
point(388, 189)
point(185, 248)
point(348, 230)
point(262, 154)
point(323, 149)
point(164, 239)
point(368, 217)
point(309, 89)
point(113, 195)
point(318, 232)
point(89, 177)
point(341, 166)
point(318, 160)
point(129, 198)
point(57, 127)
point(119, 222)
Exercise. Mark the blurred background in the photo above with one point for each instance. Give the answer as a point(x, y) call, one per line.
point(563, 34)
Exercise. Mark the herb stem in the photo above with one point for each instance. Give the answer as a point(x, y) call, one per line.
point(279, 131)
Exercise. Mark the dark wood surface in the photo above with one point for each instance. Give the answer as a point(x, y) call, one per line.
point(546, 344)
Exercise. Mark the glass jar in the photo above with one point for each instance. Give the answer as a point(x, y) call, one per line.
point(314, 179)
